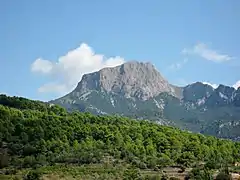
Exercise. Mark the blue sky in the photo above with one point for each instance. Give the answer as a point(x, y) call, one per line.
point(46, 46)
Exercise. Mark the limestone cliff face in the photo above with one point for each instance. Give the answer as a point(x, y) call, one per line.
point(131, 80)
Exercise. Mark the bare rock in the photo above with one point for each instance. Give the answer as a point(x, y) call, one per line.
point(132, 80)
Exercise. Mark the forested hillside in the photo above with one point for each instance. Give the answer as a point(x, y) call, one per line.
point(34, 134)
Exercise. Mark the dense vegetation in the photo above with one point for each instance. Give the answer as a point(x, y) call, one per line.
point(35, 134)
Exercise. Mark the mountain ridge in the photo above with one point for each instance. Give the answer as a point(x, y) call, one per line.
point(138, 90)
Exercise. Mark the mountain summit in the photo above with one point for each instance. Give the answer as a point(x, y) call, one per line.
point(131, 80)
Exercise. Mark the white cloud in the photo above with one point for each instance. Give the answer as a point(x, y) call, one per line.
point(237, 85)
point(68, 69)
point(42, 66)
point(178, 65)
point(205, 52)
point(215, 86)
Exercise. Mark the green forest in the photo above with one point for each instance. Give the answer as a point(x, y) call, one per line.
point(37, 138)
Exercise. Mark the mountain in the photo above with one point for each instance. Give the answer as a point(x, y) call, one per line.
point(138, 90)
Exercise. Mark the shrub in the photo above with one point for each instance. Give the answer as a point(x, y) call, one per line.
point(131, 173)
point(223, 176)
point(33, 175)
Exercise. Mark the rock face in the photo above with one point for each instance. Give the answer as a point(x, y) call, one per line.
point(131, 80)
point(222, 96)
point(139, 91)
point(236, 99)
point(197, 92)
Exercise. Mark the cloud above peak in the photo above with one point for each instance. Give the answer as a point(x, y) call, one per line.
point(237, 85)
point(207, 53)
point(215, 86)
point(67, 71)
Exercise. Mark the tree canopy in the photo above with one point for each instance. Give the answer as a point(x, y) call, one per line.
point(33, 133)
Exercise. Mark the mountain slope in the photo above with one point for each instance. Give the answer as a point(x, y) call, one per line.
point(138, 90)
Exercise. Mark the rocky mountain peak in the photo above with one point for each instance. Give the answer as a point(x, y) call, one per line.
point(222, 87)
point(132, 80)
point(197, 92)
point(222, 96)
point(225, 92)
